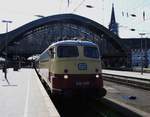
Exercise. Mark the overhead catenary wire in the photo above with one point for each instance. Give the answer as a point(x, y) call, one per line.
point(68, 2)
point(75, 9)
point(134, 9)
point(140, 6)
point(141, 16)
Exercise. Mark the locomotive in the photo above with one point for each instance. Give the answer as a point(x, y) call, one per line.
point(72, 67)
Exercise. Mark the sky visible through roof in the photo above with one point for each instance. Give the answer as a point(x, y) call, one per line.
point(24, 11)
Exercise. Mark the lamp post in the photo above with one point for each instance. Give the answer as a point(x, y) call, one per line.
point(141, 34)
point(5, 66)
point(7, 22)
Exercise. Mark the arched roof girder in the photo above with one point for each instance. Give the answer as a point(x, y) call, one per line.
point(95, 27)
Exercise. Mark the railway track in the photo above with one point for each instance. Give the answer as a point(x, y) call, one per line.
point(83, 107)
point(103, 110)
point(95, 108)
point(107, 107)
point(130, 81)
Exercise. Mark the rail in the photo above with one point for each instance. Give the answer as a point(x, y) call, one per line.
point(106, 107)
point(97, 107)
point(128, 80)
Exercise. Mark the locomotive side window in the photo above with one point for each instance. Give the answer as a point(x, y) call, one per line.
point(67, 51)
point(91, 52)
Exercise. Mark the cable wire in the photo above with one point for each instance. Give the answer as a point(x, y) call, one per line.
point(75, 9)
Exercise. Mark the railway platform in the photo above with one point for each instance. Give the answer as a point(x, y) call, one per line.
point(25, 96)
point(128, 74)
point(132, 92)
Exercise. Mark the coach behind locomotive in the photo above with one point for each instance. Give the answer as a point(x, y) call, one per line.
point(72, 67)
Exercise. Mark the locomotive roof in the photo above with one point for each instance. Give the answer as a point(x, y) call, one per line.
point(74, 42)
point(70, 42)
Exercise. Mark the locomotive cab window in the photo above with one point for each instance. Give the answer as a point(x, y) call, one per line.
point(91, 52)
point(67, 51)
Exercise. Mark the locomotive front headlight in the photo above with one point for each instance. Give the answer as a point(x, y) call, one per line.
point(97, 76)
point(66, 77)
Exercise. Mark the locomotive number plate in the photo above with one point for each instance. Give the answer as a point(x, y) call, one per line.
point(82, 66)
point(82, 83)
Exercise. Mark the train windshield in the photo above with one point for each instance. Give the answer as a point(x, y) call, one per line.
point(91, 52)
point(67, 51)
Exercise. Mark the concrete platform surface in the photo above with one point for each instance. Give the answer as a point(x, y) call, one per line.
point(127, 73)
point(25, 96)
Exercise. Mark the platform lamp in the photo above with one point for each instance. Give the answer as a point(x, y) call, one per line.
point(7, 22)
point(5, 66)
point(141, 34)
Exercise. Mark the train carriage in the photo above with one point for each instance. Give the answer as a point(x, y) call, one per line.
point(72, 67)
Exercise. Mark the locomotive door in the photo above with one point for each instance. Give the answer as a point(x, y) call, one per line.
point(51, 58)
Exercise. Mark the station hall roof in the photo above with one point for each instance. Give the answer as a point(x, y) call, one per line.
point(93, 26)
